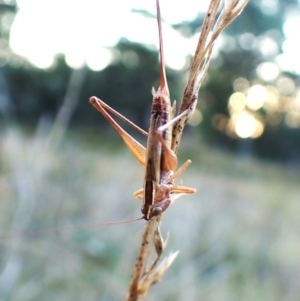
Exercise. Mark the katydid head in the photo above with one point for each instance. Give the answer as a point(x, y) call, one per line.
point(155, 210)
point(151, 213)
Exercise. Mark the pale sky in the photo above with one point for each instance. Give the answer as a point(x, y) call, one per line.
point(83, 29)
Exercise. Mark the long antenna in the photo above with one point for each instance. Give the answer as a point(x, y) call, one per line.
point(65, 229)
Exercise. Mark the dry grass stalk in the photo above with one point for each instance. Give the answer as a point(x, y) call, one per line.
point(147, 271)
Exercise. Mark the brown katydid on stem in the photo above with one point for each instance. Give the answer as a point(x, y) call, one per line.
point(159, 157)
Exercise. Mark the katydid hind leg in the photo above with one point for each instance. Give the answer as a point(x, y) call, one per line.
point(121, 117)
point(137, 150)
point(170, 158)
point(170, 155)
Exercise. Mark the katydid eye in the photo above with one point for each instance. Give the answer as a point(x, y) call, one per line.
point(156, 211)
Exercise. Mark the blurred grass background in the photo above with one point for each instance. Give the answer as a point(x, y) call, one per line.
point(238, 236)
point(61, 165)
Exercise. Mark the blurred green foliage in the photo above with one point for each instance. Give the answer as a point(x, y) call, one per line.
point(34, 93)
point(237, 236)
